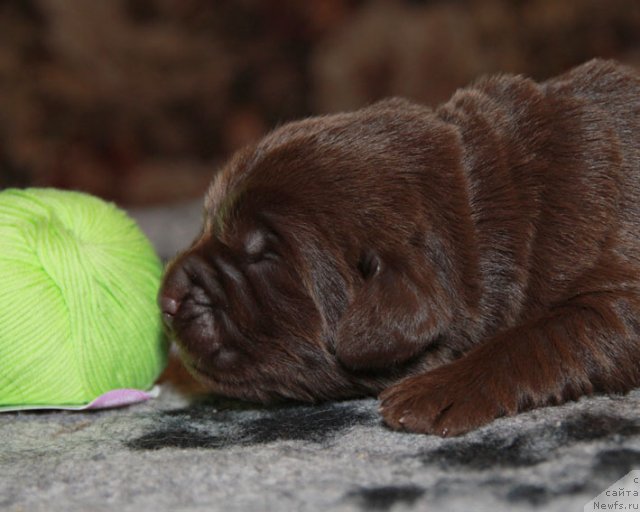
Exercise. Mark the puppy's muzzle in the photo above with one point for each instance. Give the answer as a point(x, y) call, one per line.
point(190, 286)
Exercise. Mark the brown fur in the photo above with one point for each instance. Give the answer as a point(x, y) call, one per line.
point(466, 262)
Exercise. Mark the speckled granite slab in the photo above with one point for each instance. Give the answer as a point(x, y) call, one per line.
point(173, 454)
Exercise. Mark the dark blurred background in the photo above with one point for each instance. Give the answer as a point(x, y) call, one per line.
point(138, 101)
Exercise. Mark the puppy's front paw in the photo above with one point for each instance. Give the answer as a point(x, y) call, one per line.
point(447, 401)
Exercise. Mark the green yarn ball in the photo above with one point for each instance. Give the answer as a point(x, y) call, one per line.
point(78, 312)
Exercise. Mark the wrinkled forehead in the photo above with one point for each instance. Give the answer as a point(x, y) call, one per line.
point(249, 173)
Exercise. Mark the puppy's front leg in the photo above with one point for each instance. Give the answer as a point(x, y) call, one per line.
point(591, 343)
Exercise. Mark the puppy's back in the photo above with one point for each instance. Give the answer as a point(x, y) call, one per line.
point(613, 92)
point(607, 85)
point(554, 175)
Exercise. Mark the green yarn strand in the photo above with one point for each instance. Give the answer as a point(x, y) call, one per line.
point(78, 313)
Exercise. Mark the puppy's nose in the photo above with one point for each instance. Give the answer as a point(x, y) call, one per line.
point(175, 287)
point(169, 307)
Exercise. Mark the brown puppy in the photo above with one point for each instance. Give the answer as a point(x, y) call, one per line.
point(468, 262)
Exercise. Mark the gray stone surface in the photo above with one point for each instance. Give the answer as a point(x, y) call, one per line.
point(176, 453)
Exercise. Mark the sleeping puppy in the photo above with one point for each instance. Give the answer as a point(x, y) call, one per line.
point(466, 262)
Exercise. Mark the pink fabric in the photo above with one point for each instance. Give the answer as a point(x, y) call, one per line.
point(109, 400)
point(119, 398)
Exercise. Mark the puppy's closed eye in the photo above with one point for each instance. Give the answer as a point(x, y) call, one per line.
point(255, 244)
point(259, 246)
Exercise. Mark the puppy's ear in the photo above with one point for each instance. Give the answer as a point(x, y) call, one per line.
point(398, 310)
